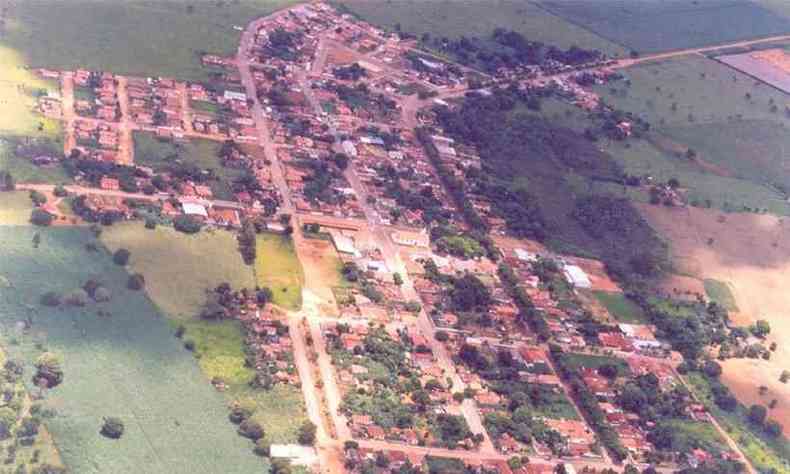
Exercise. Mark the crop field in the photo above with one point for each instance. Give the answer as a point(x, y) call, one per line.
point(649, 26)
point(278, 268)
point(125, 363)
point(137, 37)
point(178, 268)
point(621, 308)
point(454, 18)
point(735, 126)
point(160, 154)
point(720, 292)
point(18, 89)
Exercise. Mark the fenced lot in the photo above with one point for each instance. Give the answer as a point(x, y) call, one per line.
point(650, 26)
point(124, 363)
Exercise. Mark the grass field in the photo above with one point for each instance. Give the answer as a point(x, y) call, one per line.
point(688, 435)
point(137, 37)
point(126, 364)
point(763, 452)
point(720, 292)
point(278, 268)
point(454, 18)
point(15, 208)
point(18, 87)
point(160, 154)
point(595, 361)
point(650, 26)
point(24, 171)
point(621, 308)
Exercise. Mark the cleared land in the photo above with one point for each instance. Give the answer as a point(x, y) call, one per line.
point(278, 267)
point(621, 308)
point(161, 155)
point(137, 37)
point(650, 26)
point(455, 18)
point(752, 254)
point(322, 274)
point(15, 208)
point(770, 66)
point(126, 364)
point(18, 90)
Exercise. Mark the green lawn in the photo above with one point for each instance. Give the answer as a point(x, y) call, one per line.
point(720, 292)
point(126, 363)
point(207, 107)
point(137, 37)
point(160, 154)
point(15, 208)
point(763, 452)
point(278, 268)
point(455, 18)
point(621, 308)
point(595, 361)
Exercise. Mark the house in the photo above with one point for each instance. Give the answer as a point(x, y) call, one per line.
point(109, 184)
point(615, 341)
point(194, 209)
point(576, 276)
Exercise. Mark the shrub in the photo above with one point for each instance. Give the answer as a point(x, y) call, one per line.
point(50, 298)
point(150, 223)
point(112, 428)
point(251, 429)
point(121, 257)
point(41, 218)
point(60, 191)
point(189, 345)
point(239, 412)
point(38, 198)
point(102, 294)
point(180, 330)
point(307, 433)
point(136, 282)
point(187, 224)
point(48, 371)
point(262, 448)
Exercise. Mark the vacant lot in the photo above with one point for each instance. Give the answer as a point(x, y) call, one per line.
point(649, 26)
point(15, 208)
point(278, 267)
point(752, 254)
point(18, 90)
point(178, 268)
point(161, 155)
point(621, 308)
point(322, 273)
point(454, 18)
point(137, 37)
point(125, 363)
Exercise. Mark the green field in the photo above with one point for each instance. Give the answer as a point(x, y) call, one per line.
point(160, 154)
point(651, 26)
point(125, 364)
point(621, 308)
point(455, 18)
point(18, 89)
point(595, 361)
point(763, 452)
point(24, 171)
point(15, 208)
point(688, 435)
point(720, 292)
point(137, 37)
point(278, 268)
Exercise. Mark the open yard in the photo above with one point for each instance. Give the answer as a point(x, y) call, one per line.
point(19, 88)
point(454, 18)
point(650, 26)
point(322, 267)
point(136, 37)
point(278, 267)
point(124, 362)
point(162, 154)
point(621, 308)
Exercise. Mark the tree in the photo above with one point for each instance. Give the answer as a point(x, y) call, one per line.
point(112, 427)
point(712, 369)
point(760, 328)
point(39, 199)
point(187, 224)
point(785, 376)
point(48, 371)
point(50, 298)
point(773, 428)
point(280, 466)
point(307, 433)
point(397, 279)
point(60, 191)
point(251, 429)
point(136, 282)
point(757, 414)
point(41, 217)
point(121, 256)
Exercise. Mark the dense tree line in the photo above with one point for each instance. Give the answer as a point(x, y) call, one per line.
point(527, 312)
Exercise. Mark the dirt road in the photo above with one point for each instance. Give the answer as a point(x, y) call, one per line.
point(67, 91)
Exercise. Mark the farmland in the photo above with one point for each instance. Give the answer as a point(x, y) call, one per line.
point(162, 154)
point(454, 18)
point(125, 363)
point(278, 268)
point(647, 26)
point(139, 37)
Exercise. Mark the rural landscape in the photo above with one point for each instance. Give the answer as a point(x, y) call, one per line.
point(394, 236)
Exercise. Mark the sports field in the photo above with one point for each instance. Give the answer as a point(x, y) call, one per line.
point(650, 26)
point(278, 267)
point(455, 18)
point(125, 363)
point(135, 37)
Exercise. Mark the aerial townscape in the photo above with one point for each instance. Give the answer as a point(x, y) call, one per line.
point(393, 236)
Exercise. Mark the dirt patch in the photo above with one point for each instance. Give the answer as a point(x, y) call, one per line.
point(321, 270)
point(682, 287)
point(745, 376)
point(339, 57)
point(595, 270)
point(752, 253)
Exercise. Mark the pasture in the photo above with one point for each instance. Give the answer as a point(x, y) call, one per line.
point(162, 154)
point(649, 26)
point(22, 168)
point(123, 363)
point(278, 267)
point(136, 37)
point(621, 308)
point(455, 18)
point(15, 208)
point(720, 293)
point(18, 90)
